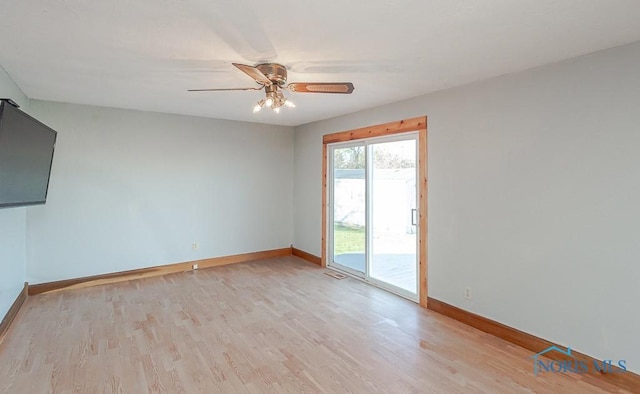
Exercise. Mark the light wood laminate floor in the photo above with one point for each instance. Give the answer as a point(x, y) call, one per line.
point(275, 325)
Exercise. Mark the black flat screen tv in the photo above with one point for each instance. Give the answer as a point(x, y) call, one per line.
point(26, 155)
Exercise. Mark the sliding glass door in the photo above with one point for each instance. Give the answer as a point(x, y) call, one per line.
point(373, 212)
point(349, 207)
point(393, 218)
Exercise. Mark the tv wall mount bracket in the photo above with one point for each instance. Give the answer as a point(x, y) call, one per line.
point(8, 100)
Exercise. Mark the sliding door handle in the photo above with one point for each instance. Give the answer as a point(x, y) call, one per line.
point(414, 217)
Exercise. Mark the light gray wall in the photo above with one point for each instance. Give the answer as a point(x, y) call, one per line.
point(534, 193)
point(134, 189)
point(13, 221)
point(13, 233)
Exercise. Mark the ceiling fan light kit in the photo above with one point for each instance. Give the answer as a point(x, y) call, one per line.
point(274, 100)
point(273, 78)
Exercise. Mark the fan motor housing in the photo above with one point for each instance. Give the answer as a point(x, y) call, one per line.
point(277, 73)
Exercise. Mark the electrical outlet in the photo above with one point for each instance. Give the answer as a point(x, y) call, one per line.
point(467, 293)
point(194, 266)
point(194, 246)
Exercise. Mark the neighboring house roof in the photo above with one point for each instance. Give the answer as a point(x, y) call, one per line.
point(402, 173)
point(349, 174)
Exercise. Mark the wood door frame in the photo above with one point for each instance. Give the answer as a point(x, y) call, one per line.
point(418, 124)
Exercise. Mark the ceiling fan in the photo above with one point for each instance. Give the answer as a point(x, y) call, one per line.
point(272, 77)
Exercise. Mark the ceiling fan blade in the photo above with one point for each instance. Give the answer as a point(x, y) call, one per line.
point(345, 67)
point(254, 73)
point(322, 87)
point(238, 24)
point(221, 90)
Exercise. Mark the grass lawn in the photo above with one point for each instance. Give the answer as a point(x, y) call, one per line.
point(348, 239)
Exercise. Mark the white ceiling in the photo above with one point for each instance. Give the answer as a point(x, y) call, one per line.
point(145, 54)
